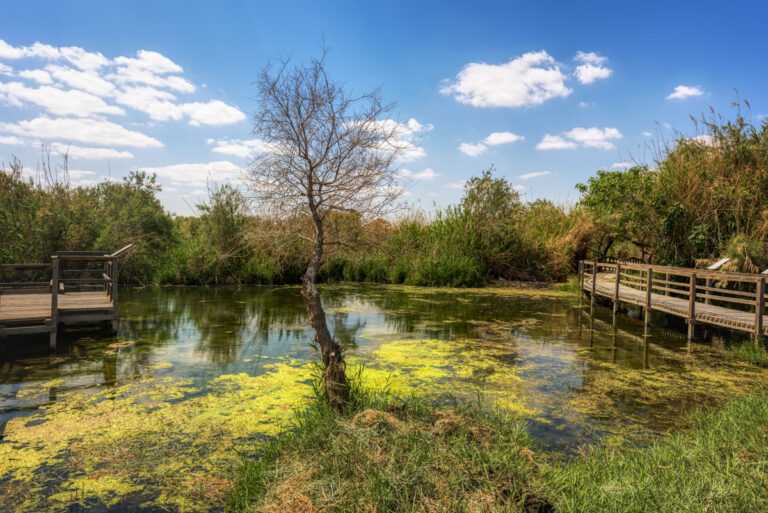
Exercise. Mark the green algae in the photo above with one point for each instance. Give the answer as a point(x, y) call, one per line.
point(191, 387)
point(139, 440)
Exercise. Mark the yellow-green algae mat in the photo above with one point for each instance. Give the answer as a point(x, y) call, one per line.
point(159, 443)
point(142, 443)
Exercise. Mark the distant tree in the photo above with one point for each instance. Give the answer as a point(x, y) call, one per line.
point(623, 205)
point(326, 153)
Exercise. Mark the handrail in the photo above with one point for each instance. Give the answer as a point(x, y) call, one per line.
point(682, 271)
point(122, 250)
point(723, 306)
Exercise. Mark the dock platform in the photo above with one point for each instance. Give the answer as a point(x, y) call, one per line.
point(75, 287)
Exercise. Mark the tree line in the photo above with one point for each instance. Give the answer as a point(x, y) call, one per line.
point(701, 199)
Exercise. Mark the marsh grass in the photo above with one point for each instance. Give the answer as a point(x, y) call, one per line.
point(747, 351)
point(395, 454)
point(719, 464)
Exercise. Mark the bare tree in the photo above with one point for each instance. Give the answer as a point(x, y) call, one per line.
point(325, 153)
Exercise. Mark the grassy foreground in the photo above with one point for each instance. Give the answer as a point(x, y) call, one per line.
point(407, 455)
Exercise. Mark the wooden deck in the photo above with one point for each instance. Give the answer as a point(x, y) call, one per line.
point(729, 300)
point(28, 308)
point(82, 288)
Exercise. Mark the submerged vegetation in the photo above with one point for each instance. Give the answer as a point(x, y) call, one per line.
point(161, 418)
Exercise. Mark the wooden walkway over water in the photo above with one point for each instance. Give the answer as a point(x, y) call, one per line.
point(730, 300)
point(76, 287)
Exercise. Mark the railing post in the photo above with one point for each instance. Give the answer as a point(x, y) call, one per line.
point(54, 300)
point(707, 300)
point(594, 284)
point(113, 282)
point(581, 282)
point(759, 309)
point(666, 285)
point(616, 293)
point(691, 306)
point(648, 292)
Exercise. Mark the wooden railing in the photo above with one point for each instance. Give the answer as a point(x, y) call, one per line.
point(740, 293)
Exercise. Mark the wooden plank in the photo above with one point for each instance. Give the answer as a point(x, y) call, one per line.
point(25, 267)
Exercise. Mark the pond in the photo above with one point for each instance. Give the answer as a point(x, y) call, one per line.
point(157, 417)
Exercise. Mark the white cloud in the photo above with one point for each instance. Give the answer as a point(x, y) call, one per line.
point(705, 139)
point(11, 140)
point(76, 174)
point(682, 92)
point(5, 69)
point(214, 112)
point(536, 174)
point(586, 137)
point(591, 67)
point(152, 69)
point(10, 52)
point(150, 61)
point(646, 134)
point(406, 134)
point(92, 131)
point(198, 175)
point(77, 56)
point(245, 148)
point(530, 79)
point(554, 142)
point(80, 152)
point(427, 174)
point(594, 137)
point(82, 59)
point(585, 105)
point(81, 177)
point(38, 75)
point(55, 100)
point(494, 139)
point(621, 165)
point(473, 150)
point(456, 185)
point(158, 104)
point(497, 138)
point(88, 81)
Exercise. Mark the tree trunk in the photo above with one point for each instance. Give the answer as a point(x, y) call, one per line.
point(336, 385)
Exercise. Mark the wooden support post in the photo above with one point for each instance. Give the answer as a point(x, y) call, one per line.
point(54, 300)
point(709, 293)
point(581, 282)
point(616, 293)
point(692, 306)
point(113, 282)
point(666, 285)
point(759, 309)
point(594, 284)
point(648, 292)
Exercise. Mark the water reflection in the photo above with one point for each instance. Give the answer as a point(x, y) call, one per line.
point(556, 350)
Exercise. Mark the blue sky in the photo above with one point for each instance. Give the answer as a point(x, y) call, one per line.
point(546, 92)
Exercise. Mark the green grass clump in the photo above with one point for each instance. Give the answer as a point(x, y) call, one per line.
point(720, 465)
point(390, 454)
point(747, 351)
point(394, 454)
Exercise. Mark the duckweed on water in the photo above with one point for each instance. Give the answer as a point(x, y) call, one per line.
point(158, 418)
point(141, 444)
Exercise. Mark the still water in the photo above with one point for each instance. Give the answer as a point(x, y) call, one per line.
point(157, 417)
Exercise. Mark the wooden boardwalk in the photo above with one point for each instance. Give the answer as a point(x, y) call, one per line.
point(82, 288)
point(729, 300)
